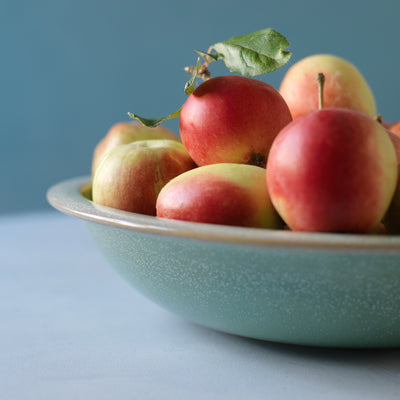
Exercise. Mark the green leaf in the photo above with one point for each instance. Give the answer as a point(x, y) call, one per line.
point(213, 56)
point(189, 87)
point(153, 122)
point(250, 55)
point(254, 54)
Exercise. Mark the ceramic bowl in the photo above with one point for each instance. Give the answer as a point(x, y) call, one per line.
point(336, 290)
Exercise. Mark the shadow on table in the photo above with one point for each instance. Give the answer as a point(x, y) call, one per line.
point(387, 359)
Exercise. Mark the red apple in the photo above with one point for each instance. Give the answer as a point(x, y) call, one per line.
point(345, 86)
point(127, 132)
point(395, 128)
point(332, 170)
point(232, 119)
point(225, 193)
point(131, 175)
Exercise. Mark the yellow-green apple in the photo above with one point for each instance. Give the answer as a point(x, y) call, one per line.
point(127, 132)
point(332, 170)
point(130, 176)
point(232, 119)
point(345, 86)
point(223, 193)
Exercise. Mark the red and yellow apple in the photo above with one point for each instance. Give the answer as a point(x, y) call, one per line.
point(232, 119)
point(224, 193)
point(345, 86)
point(332, 170)
point(130, 176)
point(127, 132)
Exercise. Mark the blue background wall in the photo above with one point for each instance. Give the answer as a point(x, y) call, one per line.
point(69, 69)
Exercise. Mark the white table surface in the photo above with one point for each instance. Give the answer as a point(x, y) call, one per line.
point(71, 328)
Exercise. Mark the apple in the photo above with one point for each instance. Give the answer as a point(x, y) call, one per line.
point(127, 132)
point(395, 128)
point(232, 119)
point(345, 86)
point(396, 143)
point(332, 170)
point(223, 193)
point(130, 176)
point(392, 216)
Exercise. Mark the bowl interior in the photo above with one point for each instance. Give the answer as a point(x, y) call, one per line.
point(74, 197)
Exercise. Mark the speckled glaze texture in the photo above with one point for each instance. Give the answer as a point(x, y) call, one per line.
point(309, 289)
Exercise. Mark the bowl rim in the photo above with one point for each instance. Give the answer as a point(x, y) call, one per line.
point(67, 197)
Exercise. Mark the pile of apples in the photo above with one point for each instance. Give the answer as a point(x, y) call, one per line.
point(312, 156)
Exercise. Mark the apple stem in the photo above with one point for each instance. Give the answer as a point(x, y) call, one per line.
point(204, 72)
point(321, 82)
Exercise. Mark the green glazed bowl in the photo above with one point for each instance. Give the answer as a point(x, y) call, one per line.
point(336, 290)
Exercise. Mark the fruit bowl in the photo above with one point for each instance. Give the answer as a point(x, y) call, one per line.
point(334, 290)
